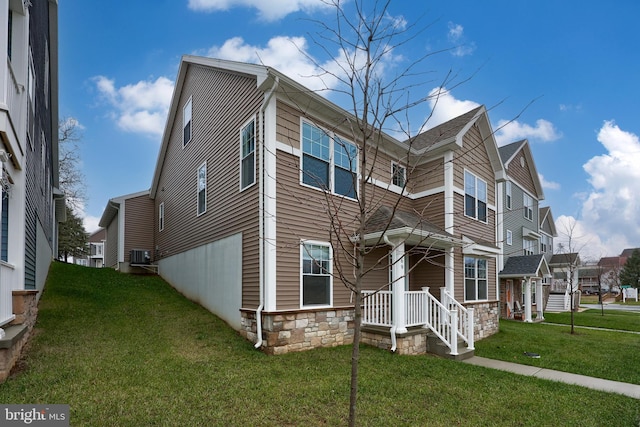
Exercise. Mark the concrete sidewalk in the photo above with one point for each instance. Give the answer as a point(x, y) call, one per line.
point(631, 390)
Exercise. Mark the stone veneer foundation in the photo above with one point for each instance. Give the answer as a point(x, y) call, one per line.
point(284, 332)
point(25, 310)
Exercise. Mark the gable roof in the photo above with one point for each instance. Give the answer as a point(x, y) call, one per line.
point(546, 215)
point(113, 205)
point(564, 259)
point(628, 252)
point(386, 221)
point(525, 266)
point(509, 152)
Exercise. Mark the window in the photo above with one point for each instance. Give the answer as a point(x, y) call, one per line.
point(509, 237)
point(247, 155)
point(398, 174)
point(508, 196)
point(475, 199)
point(316, 274)
point(186, 123)
point(4, 229)
point(202, 189)
point(529, 246)
point(475, 279)
point(544, 243)
point(319, 148)
point(161, 217)
point(527, 202)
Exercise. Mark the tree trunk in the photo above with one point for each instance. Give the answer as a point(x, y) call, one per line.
point(355, 357)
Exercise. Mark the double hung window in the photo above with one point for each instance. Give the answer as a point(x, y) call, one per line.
point(316, 274)
point(475, 197)
point(161, 217)
point(248, 155)
point(475, 279)
point(398, 174)
point(508, 194)
point(527, 202)
point(328, 162)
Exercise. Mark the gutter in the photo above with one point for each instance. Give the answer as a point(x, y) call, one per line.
point(263, 174)
point(394, 343)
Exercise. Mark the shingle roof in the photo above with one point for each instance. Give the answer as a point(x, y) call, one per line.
point(568, 258)
point(524, 265)
point(628, 252)
point(443, 131)
point(386, 219)
point(507, 151)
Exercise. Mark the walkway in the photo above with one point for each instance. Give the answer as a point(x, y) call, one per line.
point(631, 390)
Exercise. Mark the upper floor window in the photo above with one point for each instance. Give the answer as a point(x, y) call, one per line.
point(508, 194)
point(527, 202)
point(475, 198)
point(316, 274)
point(161, 217)
point(475, 279)
point(186, 123)
point(528, 247)
point(247, 155)
point(398, 174)
point(202, 188)
point(545, 243)
point(509, 237)
point(328, 162)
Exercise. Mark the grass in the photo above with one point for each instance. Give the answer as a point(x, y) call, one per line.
point(130, 351)
point(612, 319)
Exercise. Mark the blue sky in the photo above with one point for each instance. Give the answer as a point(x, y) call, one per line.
point(567, 73)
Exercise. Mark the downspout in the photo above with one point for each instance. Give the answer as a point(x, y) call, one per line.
point(393, 327)
point(263, 174)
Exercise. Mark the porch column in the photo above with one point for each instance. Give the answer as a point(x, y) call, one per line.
point(527, 299)
point(540, 299)
point(397, 274)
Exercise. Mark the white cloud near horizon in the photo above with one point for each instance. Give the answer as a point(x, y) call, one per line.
point(271, 10)
point(140, 107)
point(611, 208)
point(512, 131)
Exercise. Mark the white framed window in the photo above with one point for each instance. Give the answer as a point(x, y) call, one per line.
point(544, 243)
point(508, 194)
point(528, 247)
point(248, 155)
point(316, 280)
point(398, 174)
point(202, 188)
point(475, 197)
point(509, 237)
point(186, 123)
point(328, 162)
point(475, 279)
point(161, 217)
point(527, 202)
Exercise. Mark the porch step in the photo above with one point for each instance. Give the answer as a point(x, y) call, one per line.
point(437, 347)
point(555, 303)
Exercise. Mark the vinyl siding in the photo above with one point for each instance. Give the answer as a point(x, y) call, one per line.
point(427, 176)
point(473, 157)
point(431, 208)
point(111, 245)
point(520, 174)
point(221, 104)
point(138, 228)
point(459, 277)
point(514, 220)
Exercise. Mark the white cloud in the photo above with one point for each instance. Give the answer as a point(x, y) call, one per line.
point(141, 107)
point(271, 10)
point(608, 221)
point(511, 131)
point(445, 107)
point(456, 36)
point(550, 185)
point(90, 223)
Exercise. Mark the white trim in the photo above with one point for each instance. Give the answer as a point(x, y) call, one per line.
point(198, 213)
point(509, 238)
point(255, 154)
point(161, 216)
point(303, 242)
point(121, 225)
point(269, 204)
point(188, 103)
point(288, 149)
point(449, 190)
point(486, 204)
point(404, 175)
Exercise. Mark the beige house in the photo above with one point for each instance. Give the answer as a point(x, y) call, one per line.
point(249, 162)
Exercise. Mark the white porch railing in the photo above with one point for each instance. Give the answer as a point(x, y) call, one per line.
point(421, 308)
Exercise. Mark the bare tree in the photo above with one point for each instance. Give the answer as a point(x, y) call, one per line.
point(72, 180)
point(569, 252)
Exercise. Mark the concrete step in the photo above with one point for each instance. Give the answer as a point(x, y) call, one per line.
point(439, 348)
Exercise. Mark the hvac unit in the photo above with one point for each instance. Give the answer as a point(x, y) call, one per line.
point(140, 256)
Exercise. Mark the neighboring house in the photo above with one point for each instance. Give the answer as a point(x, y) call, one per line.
point(96, 240)
point(611, 267)
point(31, 206)
point(524, 236)
point(128, 230)
point(588, 279)
point(248, 158)
point(565, 268)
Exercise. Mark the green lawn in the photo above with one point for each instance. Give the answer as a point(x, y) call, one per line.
point(130, 351)
point(612, 319)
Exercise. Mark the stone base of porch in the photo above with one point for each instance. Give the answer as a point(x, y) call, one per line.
point(486, 318)
point(412, 342)
point(25, 310)
point(284, 332)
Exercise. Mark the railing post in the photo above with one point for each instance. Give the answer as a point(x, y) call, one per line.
point(426, 307)
point(470, 328)
point(453, 332)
